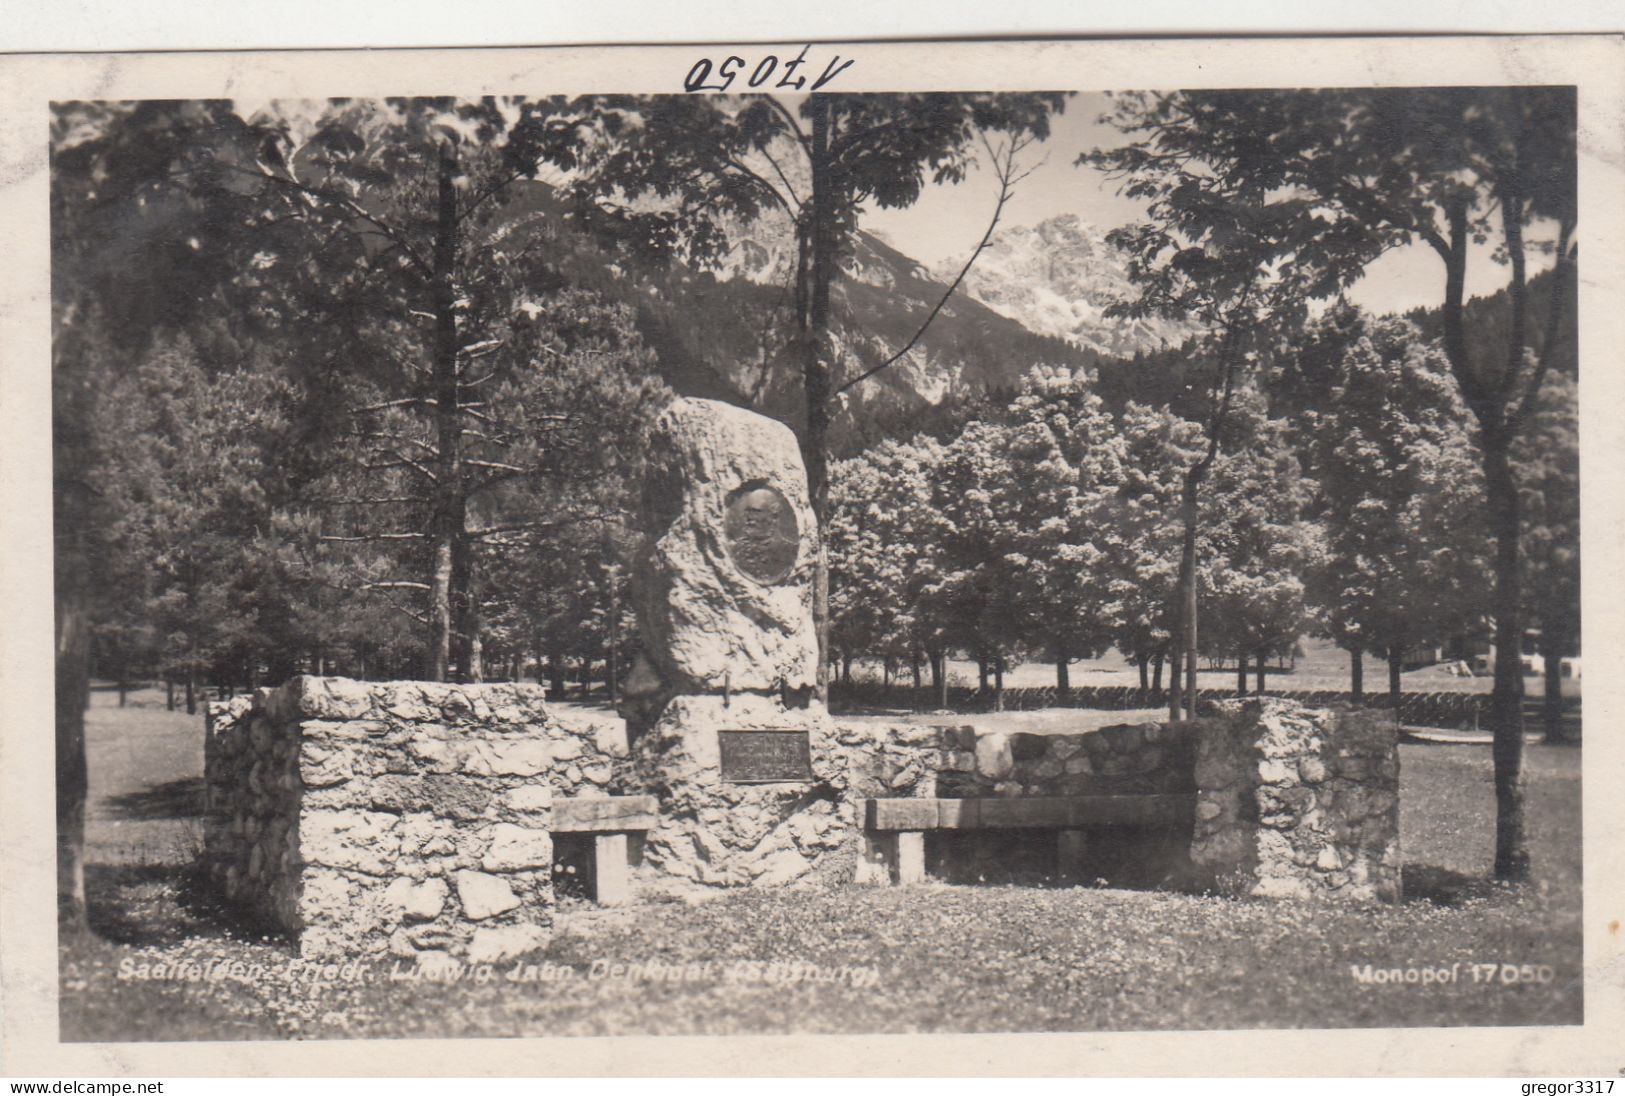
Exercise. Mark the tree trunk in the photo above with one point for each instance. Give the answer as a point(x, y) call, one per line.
point(1506, 701)
point(191, 690)
point(614, 669)
point(1357, 675)
point(914, 665)
point(1241, 675)
point(998, 684)
point(467, 643)
point(1185, 597)
point(815, 272)
point(1063, 674)
point(1489, 406)
point(939, 667)
point(1143, 662)
point(169, 692)
point(449, 519)
point(982, 669)
point(73, 623)
point(1552, 709)
point(846, 669)
point(1396, 664)
point(1262, 659)
point(555, 675)
point(1156, 677)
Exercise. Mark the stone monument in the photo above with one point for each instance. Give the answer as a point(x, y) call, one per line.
point(720, 705)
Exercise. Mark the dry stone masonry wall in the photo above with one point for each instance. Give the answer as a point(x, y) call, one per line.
point(1149, 758)
point(1298, 802)
point(410, 819)
point(723, 833)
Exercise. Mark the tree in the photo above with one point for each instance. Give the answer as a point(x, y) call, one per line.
point(189, 492)
point(1064, 456)
point(1226, 245)
point(308, 239)
point(702, 160)
point(1385, 436)
point(394, 213)
point(1362, 172)
point(1257, 541)
point(868, 561)
point(120, 272)
point(1159, 446)
point(886, 558)
point(1548, 453)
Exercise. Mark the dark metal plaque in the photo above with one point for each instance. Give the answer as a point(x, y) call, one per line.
point(762, 535)
point(765, 757)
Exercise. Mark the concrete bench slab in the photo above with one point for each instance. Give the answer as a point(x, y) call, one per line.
point(605, 814)
point(1037, 812)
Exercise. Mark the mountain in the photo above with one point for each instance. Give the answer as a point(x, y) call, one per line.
point(722, 333)
point(1057, 278)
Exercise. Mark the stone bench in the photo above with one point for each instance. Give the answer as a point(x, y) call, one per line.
point(896, 828)
point(608, 820)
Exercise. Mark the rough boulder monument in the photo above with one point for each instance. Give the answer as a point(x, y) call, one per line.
point(720, 706)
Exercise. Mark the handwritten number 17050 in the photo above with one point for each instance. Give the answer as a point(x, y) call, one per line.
point(704, 77)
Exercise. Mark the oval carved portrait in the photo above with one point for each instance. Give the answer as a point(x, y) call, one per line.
point(761, 532)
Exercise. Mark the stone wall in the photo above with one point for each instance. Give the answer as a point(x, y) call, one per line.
point(1297, 802)
point(1291, 801)
point(404, 818)
point(1121, 760)
point(721, 833)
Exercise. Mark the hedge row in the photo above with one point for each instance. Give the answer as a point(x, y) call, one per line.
point(1454, 710)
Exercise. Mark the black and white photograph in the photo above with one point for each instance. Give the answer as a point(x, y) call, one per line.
point(786, 554)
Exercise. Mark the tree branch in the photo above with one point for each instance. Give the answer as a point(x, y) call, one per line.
point(347, 204)
point(1007, 181)
point(526, 526)
point(374, 536)
point(795, 126)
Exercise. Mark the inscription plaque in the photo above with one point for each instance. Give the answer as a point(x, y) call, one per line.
point(765, 757)
point(762, 535)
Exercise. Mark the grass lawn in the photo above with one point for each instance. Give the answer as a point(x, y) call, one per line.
point(925, 958)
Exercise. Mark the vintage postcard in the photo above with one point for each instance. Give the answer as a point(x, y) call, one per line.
point(997, 557)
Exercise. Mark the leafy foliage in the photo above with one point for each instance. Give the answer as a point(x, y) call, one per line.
point(1401, 494)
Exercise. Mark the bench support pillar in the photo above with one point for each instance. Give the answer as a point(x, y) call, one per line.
point(1070, 847)
point(911, 856)
point(611, 870)
point(877, 857)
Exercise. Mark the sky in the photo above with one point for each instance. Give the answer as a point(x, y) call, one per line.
point(947, 221)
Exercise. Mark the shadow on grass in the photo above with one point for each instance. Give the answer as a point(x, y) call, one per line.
point(150, 905)
point(181, 798)
point(1442, 886)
